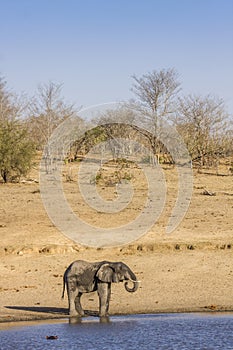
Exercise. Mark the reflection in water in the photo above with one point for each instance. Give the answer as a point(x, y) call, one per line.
point(104, 319)
point(75, 320)
point(161, 331)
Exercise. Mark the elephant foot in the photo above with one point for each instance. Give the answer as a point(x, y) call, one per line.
point(81, 313)
point(77, 314)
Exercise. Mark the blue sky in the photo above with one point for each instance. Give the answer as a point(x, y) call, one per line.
point(94, 47)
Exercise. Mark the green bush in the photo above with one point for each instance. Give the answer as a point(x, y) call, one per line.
point(16, 150)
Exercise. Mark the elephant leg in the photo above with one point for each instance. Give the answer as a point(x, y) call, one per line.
point(72, 292)
point(78, 306)
point(104, 292)
point(108, 298)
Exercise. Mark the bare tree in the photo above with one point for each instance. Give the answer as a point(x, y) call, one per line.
point(157, 93)
point(202, 122)
point(48, 110)
point(12, 106)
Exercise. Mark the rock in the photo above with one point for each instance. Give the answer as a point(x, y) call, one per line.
point(51, 337)
point(208, 193)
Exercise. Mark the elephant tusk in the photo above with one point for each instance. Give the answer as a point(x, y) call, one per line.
point(134, 281)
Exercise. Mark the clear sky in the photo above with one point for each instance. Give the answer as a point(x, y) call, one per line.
point(94, 47)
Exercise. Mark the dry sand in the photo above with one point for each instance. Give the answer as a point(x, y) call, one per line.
point(189, 270)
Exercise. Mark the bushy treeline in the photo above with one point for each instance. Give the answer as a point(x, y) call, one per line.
point(26, 124)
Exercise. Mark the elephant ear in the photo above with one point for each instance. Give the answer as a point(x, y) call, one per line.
point(105, 273)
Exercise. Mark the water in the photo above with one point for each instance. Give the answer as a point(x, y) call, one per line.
point(162, 331)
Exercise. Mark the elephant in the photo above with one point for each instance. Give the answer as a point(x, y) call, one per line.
point(85, 277)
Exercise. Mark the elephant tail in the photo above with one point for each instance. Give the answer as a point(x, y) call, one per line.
point(64, 286)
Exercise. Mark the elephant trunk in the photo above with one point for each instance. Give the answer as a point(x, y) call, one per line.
point(133, 279)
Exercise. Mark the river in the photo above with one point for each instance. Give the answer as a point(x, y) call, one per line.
point(152, 331)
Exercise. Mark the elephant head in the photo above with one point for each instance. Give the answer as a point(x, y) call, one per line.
point(117, 272)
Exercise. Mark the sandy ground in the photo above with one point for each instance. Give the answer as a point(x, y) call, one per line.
point(188, 270)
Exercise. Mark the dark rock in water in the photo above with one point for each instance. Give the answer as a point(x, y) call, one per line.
point(51, 337)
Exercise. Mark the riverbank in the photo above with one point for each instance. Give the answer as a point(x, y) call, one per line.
point(172, 280)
